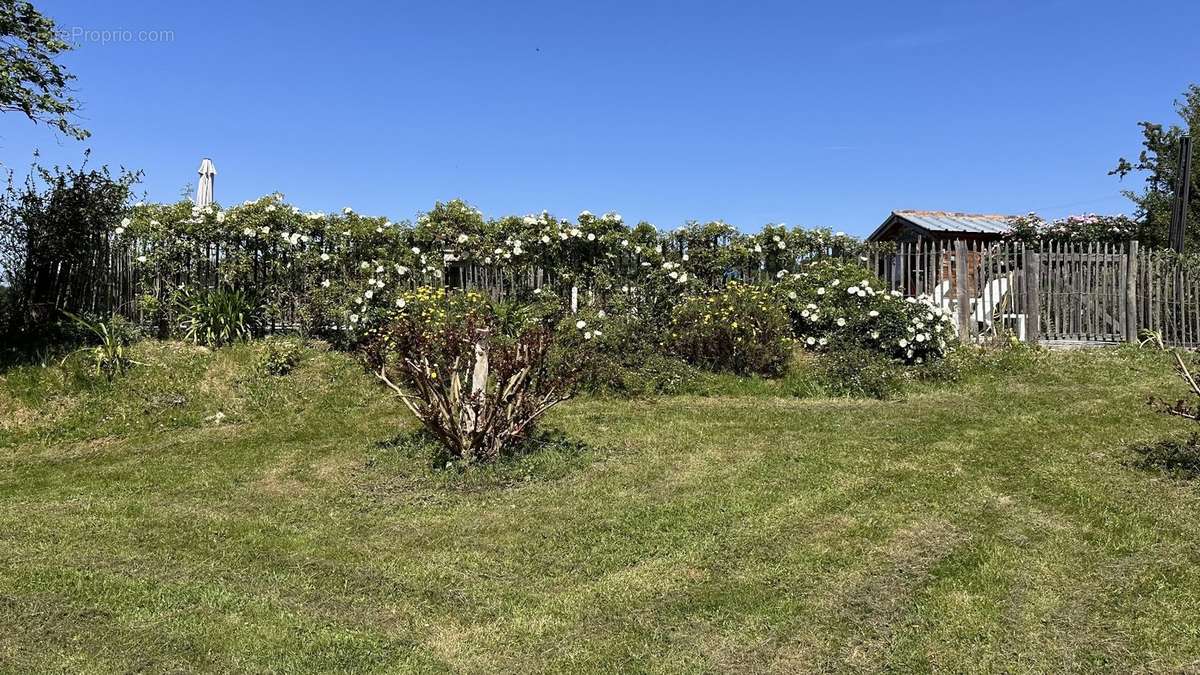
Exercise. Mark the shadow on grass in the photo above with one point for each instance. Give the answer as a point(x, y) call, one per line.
point(1177, 459)
point(415, 459)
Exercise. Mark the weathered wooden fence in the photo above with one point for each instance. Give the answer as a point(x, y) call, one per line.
point(1050, 292)
point(1056, 292)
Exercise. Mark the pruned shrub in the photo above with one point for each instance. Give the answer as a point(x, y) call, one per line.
point(479, 391)
point(740, 329)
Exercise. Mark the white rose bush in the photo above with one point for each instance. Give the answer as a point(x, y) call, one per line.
point(834, 304)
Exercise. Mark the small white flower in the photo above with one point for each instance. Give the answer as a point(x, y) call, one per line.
point(325, 257)
point(581, 324)
point(141, 258)
point(325, 283)
point(841, 321)
point(903, 343)
point(587, 335)
point(821, 291)
point(400, 303)
point(416, 250)
point(119, 231)
point(125, 222)
point(591, 236)
point(347, 210)
point(811, 341)
point(353, 318)
point(873, 313)
point(462, 238)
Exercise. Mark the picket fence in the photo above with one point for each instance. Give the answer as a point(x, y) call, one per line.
point(1053, 292)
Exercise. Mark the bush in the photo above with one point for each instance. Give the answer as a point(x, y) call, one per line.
point(478, 391)
point(55, 240)
point(835, 304)
point(218, 317)
point(623, 354)
point(860, 373)
point(741, 329)
point(279, 356)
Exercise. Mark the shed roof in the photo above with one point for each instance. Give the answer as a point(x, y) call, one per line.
point(946, 222)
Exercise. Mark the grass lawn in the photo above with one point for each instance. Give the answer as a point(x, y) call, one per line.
point(992, 526)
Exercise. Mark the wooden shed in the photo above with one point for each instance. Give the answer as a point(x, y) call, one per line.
point(934, 226)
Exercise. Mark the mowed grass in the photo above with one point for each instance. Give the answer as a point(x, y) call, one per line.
point(198, 516)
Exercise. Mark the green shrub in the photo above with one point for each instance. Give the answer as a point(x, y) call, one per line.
point(859, 372)
point(279, 356)
point(623, 355)
point(741, 329)
point(218, 317)
point(840, 305)
point(1178, 459)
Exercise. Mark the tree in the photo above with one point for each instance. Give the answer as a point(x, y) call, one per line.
point(31, 82)
point(56, 230)
point(1159, 159)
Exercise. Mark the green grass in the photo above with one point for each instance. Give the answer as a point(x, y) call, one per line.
point(196, 515)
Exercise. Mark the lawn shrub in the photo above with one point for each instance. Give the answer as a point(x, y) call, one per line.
point(478, 390)
point(624, 352)
point(279, 356)
point(841, 305)
point(740, 329)
point(859, 372)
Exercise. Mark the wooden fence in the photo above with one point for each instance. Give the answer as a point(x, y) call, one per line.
point(1050, 292)
point(1079, 292)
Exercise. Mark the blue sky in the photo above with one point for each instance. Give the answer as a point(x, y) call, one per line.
point(828, 114)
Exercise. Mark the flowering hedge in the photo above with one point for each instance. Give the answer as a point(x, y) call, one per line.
point(336, 269)
point(1090, 227)
point(834, 303)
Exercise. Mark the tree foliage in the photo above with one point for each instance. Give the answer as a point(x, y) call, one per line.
point(32, 82)
point(1159, 160)
point(54, 237)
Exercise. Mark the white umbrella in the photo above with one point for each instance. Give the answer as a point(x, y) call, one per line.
point(204, 191)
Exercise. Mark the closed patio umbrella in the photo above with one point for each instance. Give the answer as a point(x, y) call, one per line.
point(204, 191)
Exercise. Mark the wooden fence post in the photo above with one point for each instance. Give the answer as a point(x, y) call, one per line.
point(1033, 296)
point(1131, 297)
point(965, 318)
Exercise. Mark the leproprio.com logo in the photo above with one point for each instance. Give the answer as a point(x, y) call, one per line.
point(80, 35)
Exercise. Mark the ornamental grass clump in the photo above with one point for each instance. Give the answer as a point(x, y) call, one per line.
point(740, 329)
point(476, 385)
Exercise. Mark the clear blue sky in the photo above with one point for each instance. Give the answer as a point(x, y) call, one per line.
point(805, 113)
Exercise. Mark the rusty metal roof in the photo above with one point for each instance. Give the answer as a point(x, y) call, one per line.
point(947, 222)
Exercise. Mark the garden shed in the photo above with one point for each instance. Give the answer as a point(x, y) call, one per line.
point(932, 226)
